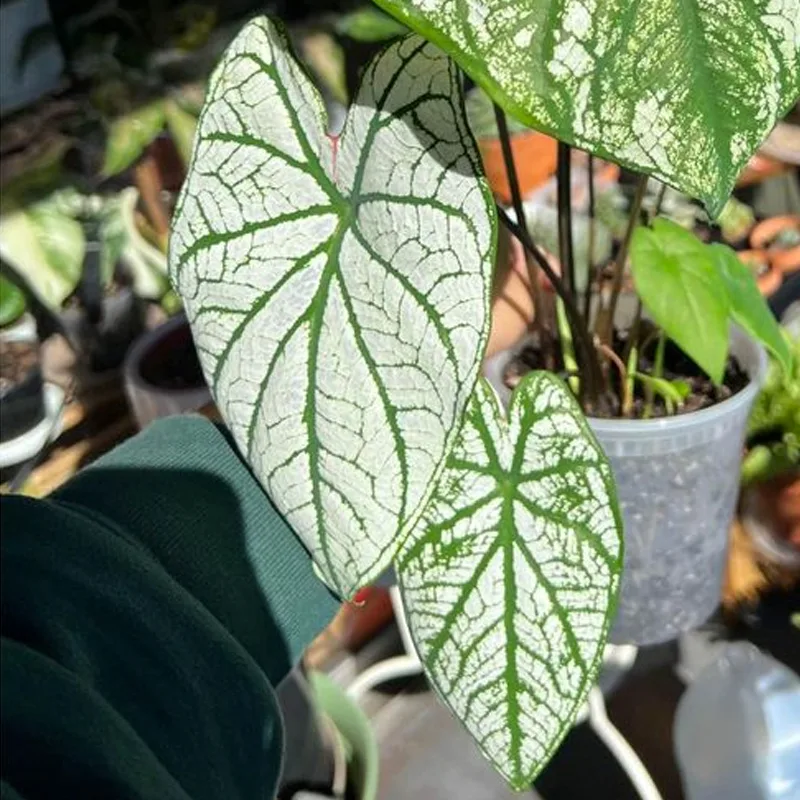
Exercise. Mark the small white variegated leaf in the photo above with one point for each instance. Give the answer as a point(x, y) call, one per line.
point(510, 580)
point(338, 290)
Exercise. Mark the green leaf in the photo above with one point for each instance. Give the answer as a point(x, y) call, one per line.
point(129, 136)
point(146, 265)
point(510, 581)
point(368, 24)
point(338, 290)
point(679, 285)
point(12, 302)
point(45, 246)
point(182, 126)
point(680, 89)
point(748, 308)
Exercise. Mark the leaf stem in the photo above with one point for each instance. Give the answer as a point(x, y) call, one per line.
point(604, 326)
point(564, 192)
point(658, 364)
point(590, 366)
point(587, 295)
point(658, 370)
point(567, 348)
point(627, 394)
point(539, 321)
point(623, 372)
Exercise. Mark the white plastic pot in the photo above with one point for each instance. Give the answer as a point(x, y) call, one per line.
point(677, 481)
point(149, 401)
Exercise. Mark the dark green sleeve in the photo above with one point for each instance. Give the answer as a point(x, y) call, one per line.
point(147, 609)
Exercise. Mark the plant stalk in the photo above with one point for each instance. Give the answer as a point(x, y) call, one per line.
point(658, 364)
point(590, 366)
point(539, 321)
point(604, 327)
point(658, 370)
point(587, 296)
point(631, 369)
point(568, 348)
point(564, 191)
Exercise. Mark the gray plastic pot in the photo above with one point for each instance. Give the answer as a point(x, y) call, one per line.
point(677, 481)
point(162, 349)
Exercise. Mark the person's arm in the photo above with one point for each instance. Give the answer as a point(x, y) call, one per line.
point(147, 608)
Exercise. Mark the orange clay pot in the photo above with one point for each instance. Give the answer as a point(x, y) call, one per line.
point(769, 278)
point(764, 234)
point(535, 156)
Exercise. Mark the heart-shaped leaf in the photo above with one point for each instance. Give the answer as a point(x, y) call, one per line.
point(747, 306)
point(679, 285)
point(338, 290)
point(681, 89)
point(511, 579)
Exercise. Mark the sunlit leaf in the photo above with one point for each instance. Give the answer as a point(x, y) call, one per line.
point(511, 580)
point(338, 289)
point(45, 245)
point(685, 90)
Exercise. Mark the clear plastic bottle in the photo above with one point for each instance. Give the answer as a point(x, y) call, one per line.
point(737, 729)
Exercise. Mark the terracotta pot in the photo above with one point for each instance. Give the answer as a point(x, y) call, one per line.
point(535, 156)
point(771, 515)
point(762, 237)
point(767, 276)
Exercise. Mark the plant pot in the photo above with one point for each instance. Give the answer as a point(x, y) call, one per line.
point(21, 387)
point(770, 513)
point(102, 346)
point(535, 156)
point(677, 482)
point(162, 374)
point(764, 235)
point(767, 276)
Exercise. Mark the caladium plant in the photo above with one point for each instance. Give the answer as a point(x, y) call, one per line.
point(338, 291)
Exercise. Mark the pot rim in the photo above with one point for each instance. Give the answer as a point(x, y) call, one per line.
point(743, 347)
point(766, 230)
point(143, 346)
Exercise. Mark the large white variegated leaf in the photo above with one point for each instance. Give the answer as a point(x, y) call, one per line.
point(511, 579)
point(685, 90)
point(338, 290)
